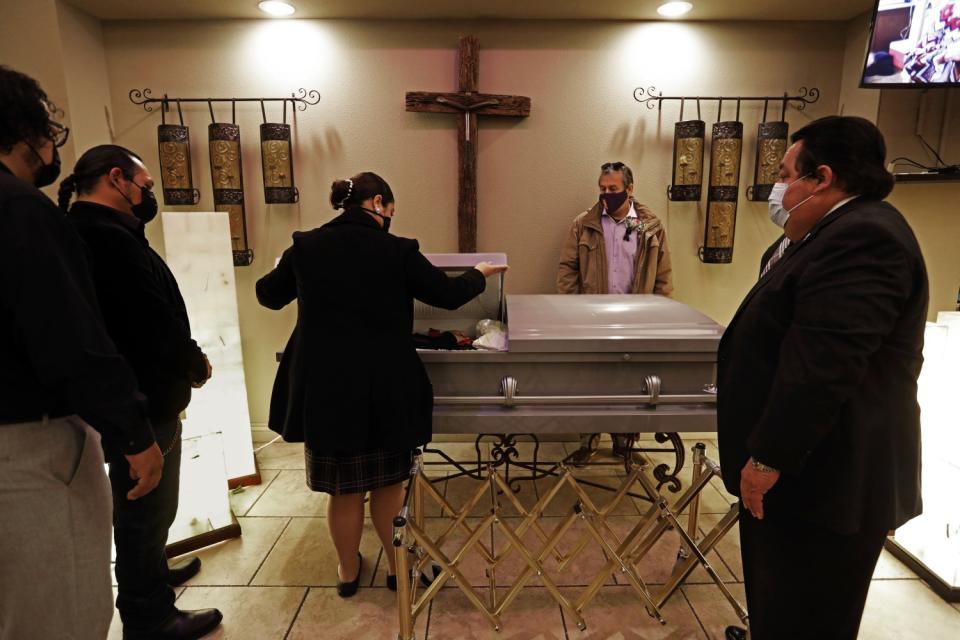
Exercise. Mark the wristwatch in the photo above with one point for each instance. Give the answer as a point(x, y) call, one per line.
point(759, 466)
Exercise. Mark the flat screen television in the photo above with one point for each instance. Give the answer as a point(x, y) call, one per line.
point(913, 43)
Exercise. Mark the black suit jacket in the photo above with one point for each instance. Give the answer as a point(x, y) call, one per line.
point(817, 374)
point(350, 379)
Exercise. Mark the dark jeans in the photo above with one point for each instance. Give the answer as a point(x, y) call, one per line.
point(804, 581)
point(140, 528)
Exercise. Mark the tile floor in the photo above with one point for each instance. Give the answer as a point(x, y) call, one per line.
point(278, 580)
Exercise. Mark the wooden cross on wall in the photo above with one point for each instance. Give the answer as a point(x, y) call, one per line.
point(469, 103)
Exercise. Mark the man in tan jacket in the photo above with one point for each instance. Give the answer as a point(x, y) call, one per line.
point(618, 246)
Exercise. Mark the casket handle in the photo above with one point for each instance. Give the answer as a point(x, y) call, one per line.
point(508, 389)
point(510, 397)
point(651, 386)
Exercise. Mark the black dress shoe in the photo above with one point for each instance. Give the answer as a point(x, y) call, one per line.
point(425, 580)
point(183, 571)
point(735, 633)
point(348, 589)
point(181, 625)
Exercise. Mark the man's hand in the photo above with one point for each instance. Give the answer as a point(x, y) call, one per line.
point(146, 468)
point(200, 383)
point(753, 485)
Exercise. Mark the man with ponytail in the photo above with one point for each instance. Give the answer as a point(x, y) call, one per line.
point(147, 319)
point(57, 363)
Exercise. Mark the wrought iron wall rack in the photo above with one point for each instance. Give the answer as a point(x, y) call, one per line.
point(299, 100)
point(654, 99)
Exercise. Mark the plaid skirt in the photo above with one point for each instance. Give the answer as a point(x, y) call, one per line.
point(357, 473)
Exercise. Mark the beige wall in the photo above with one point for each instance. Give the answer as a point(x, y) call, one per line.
point(535, 175)
point(931, 208)
point(855, 101)
point(85, 70)
point(63, 49)
point(30, 43)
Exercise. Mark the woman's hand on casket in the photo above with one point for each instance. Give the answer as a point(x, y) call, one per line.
point(488, 269)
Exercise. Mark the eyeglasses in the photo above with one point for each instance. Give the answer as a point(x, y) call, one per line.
point(58, 134)
point(615, 166)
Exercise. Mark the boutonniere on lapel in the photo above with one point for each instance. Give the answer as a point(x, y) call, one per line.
point(633, 224)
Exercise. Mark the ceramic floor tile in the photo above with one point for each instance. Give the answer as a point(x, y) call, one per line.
point(430, 506)
point(460, 490)
point(907, 610)
point(234, 562)
point(712, 608)
point(711, 500)
point(472, 565)
point(728, 548)
point(889, 568)
point(288, 495)
point(282, 455)
point(242, 498)
point(464, 453)
point(658, 565)
point(566, 498)
point(249, 613)
point(305, 556)
point(618, 613)
point(579, 571)
point(370, 615)
point(534, 615)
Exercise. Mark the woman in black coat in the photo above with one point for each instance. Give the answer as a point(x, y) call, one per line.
point(350, 384)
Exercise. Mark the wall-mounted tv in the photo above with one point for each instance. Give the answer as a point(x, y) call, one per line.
point(914, 43)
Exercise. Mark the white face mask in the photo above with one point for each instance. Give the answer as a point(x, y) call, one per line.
point(779, 215)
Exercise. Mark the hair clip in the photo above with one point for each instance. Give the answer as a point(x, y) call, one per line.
point(349, 193)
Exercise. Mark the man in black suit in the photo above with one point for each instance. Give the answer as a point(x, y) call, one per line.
point(818, 420)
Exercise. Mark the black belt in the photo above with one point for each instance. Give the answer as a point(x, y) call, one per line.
point(4, 421)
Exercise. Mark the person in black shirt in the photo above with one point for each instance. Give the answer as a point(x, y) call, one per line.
point(56, 363)
point(147, 319)
point(350, 383)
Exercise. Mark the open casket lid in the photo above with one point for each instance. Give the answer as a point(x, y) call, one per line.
point(605, 323)
point(488, 305)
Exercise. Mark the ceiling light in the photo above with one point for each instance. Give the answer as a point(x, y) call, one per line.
point(673, 9)
point(277, 8)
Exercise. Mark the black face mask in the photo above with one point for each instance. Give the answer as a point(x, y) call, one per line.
point(146, 210)
point(386, 220)
point(48, 173)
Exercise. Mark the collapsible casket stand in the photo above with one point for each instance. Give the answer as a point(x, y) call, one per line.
point(417, 550)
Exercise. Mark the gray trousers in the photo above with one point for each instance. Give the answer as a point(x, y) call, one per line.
point(55, 518)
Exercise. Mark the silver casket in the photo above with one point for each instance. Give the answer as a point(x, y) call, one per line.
point(575, 363)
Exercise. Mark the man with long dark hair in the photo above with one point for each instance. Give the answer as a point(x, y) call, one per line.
point(147, 319)
point(58, 363)
point(818, 420)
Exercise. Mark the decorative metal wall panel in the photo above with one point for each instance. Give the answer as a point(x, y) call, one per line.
point(226, 170)
point(275, 147)
point(176, 175)
point(725, 157)
point(771, 145)
point(688, 145)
